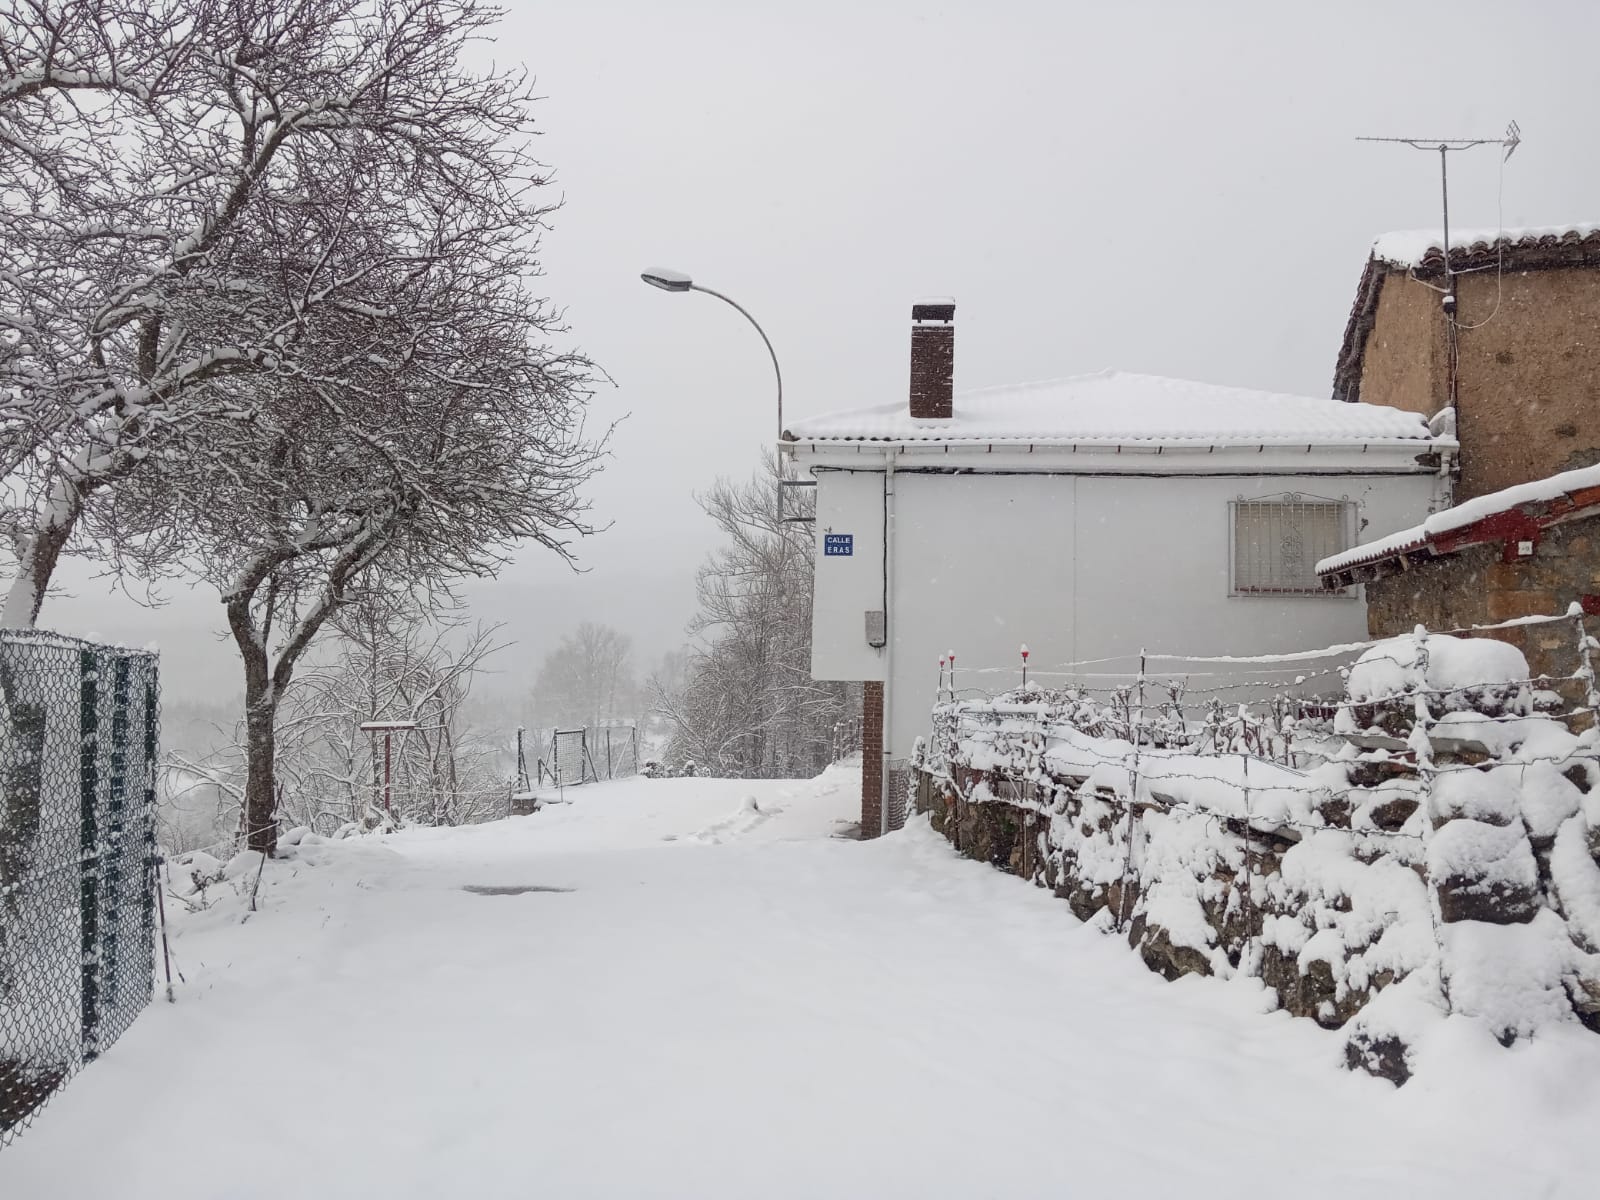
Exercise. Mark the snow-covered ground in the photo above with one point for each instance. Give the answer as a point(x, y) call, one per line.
point(731, 1002)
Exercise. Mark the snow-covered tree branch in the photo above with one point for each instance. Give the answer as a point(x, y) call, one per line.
point(207, 201)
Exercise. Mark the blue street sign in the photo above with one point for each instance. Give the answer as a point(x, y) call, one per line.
point(838, 545)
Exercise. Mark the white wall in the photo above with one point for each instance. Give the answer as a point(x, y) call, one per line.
point(846, 587)
point(1077, 566)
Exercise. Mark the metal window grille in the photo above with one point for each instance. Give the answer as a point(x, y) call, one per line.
point(1278, 542)
point(78, 745)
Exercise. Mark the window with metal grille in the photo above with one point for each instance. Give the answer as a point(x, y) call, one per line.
point(1277, 543)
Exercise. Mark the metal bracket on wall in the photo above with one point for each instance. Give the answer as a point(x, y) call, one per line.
point(794, 483)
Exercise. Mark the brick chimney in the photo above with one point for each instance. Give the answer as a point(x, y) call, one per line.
point(933, 358)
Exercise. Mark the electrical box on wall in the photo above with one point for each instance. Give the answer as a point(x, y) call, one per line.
point(877, 628)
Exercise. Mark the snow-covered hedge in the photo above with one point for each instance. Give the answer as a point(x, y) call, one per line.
point(1428, 843)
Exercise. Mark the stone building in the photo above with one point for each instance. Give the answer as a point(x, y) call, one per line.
point(1503, 348)
point(1529, 550)
point(1516, 356)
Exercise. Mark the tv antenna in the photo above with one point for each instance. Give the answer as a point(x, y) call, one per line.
point(1509, 142)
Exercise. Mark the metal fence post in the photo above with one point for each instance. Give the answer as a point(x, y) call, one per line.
point(1422, 749)
point(89, 849)
point(1136, 730)
point(116, 821)
point(1586, 672)
point(151, 877)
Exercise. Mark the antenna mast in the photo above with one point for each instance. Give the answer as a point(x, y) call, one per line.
point(1509, 142)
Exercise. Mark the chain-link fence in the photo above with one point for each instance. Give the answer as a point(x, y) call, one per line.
point(78, 745)
point(590, 755)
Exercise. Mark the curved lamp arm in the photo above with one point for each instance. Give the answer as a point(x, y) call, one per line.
point(776, 370)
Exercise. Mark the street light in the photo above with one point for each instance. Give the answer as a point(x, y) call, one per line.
point(676, 281)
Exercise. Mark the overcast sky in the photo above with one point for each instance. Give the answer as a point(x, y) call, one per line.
point(1172, 188)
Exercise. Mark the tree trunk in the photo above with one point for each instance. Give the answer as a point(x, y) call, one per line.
point(37, 562)
point(261, 695)
point(260, 788)
point(451, 781)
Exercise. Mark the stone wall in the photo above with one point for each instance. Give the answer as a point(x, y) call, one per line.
point(1529, 379)
point(1404, 363)
point(1475, 587)
point(1373, 894)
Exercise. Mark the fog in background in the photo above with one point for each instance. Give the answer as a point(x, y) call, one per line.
point(1171, 188)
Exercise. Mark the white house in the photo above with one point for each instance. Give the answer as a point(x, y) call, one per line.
point(1086, 517)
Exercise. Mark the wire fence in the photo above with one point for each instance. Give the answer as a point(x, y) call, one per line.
point(589, 755)
point(1178, 731)
point(1363, 751)
point(79, 726)
point(1172, 692)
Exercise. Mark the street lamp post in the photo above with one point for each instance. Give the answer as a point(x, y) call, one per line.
point(676, 281)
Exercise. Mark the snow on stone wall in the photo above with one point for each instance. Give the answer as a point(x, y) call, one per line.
point(1426, 844)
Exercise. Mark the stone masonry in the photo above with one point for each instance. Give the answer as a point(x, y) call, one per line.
point(1527, 373)
point(1474, 586)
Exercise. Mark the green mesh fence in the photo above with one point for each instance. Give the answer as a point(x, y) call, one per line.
point(78, 736)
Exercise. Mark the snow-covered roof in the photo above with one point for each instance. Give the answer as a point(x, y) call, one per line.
point(1555, 498)
point(1120, 408)
point(1539, 247)
point(1413, 247)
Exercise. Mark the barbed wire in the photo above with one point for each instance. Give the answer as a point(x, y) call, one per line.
point(1330, 791)
point(1578, 755)
point(1195, 697)
point(1040, 751)
point(1166, 805)
point(1068, 667)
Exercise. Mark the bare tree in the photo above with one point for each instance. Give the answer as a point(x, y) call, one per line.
point(587, 679)
point(202, 197)
point(747, 705)
point(269, 308)
point(445, 771)
point(457, 466)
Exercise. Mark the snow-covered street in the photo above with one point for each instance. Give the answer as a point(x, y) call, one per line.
point(727, 1000)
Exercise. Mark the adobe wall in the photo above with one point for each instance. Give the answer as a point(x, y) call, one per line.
point(1529, 381)
point(1404, 361)
point(1473, 587)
